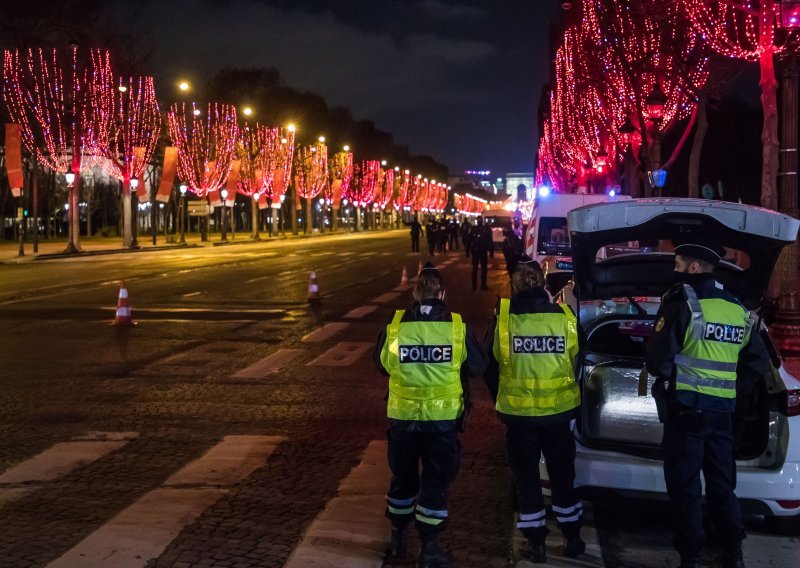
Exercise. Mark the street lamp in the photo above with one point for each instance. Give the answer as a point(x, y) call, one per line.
point(656, 101)
point(224, 195)
point(183, 189)
point(247, 111)
point(184, 86)
point(627, 131)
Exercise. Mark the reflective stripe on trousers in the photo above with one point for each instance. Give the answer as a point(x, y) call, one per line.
point(531, 520)
point(568, 514)
point(431, 516)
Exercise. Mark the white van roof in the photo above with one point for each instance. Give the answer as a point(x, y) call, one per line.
point(559, 204)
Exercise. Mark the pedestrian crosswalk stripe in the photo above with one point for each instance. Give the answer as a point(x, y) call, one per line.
point(360, 312)
point(58, 461)
point(325, 332)
point(351, 531)
point(270, 364)
point(142, 531)
point(343, 354)
point(63, 457)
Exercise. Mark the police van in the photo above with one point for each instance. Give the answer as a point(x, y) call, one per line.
point(547, 237)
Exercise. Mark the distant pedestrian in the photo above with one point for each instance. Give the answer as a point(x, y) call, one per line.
point(416, 229)
point(465, 229)
point(512, 250)
point(428, 356)
point(453, 233)
point(481, 247)
point(430, 235)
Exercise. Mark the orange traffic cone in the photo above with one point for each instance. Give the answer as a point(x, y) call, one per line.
point(313, 288)
point(123, 315)
point(404, 278)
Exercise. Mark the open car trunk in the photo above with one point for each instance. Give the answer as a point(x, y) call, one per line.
point(615, 416)
point(616, 325)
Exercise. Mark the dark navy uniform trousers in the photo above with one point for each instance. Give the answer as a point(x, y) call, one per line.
point(696, 441)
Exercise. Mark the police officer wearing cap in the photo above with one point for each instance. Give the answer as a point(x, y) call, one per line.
point(428, 356)
point(704, 349)
point(532, 379)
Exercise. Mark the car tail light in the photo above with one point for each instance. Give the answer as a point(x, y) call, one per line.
point(789, 504)
point(793, 402)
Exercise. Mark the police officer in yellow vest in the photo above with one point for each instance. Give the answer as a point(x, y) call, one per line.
point(532, 379)
point(428, 356)
point(703, 350)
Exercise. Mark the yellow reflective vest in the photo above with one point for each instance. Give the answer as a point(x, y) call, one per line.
point(718, 331)
point(536, 353)
point(424, 360)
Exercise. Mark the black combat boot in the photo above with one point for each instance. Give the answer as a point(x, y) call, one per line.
point(537, 552)
point(575, 547)
point(432, 555)
point(734, 560)
point(397, 544)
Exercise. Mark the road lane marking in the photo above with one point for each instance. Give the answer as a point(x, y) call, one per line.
point(360, 312)
point(142, 531)
point(190, 294)
point(269, 364)
point(325, 332)
point(351, 531)
point(64, 457)
point(59, 460)
point(227, 463)
point(343, 354)
point(385, 298)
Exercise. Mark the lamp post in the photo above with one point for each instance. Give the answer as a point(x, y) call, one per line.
point(224, 195)
point(72, 211)
point(134, 213)
point(182, 209)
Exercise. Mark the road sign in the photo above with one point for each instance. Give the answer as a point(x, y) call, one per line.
point(197, 209)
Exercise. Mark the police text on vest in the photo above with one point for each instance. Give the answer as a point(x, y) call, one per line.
point(537, 344)
point(724, 333)
point(426, 353)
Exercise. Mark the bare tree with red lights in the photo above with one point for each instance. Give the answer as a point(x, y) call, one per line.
point(135, 136)
point(63, 101)
point(362, 189)
point(206, 142)
point(341, 173)
point(257, 154)
point(311, 175)
point(745, 29)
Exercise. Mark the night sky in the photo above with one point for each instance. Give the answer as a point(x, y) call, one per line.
point(459, 80)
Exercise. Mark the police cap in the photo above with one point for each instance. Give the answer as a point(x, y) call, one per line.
point(529, 262)
point(430, 270)
point(701, 251)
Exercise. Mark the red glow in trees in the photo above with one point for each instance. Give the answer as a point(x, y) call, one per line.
point(745, 29)
point(63, 100)
point(311, 174)
point(206, 141)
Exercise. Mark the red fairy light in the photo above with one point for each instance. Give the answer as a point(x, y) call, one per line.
point(341, 171)
point(63, 101)
point(280, 160)
point(137, 127)
point(257, 151)
point(384, 191)
point(403, 181)
point(312, 170)
point(366, 175)
point(206, 144)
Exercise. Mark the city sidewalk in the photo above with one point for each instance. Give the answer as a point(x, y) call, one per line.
point(54, 248)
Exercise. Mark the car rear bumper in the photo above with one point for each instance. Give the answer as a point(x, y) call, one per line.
point(761, 491)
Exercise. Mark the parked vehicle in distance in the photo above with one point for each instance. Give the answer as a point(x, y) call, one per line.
point(499, 221)
point(618, 433)
point(547, 238)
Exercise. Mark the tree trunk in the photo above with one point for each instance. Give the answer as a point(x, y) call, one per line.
point(697, 149)
point(769, 134)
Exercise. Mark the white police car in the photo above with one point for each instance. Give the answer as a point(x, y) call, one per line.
point(618, 433)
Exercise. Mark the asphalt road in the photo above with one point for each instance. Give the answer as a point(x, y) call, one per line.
point(236, 425)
